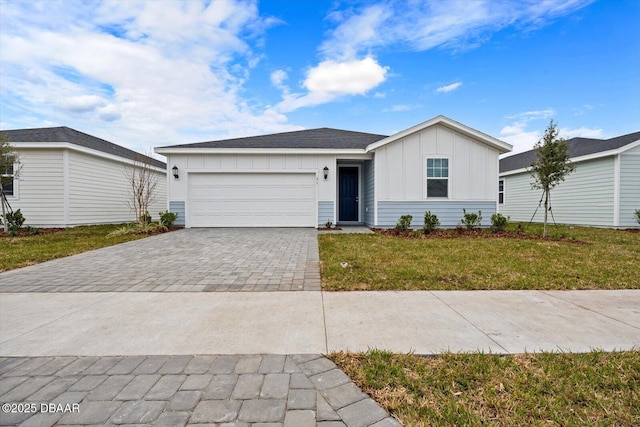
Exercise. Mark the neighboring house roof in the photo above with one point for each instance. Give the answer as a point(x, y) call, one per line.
point(331, 139)
point(577, 147)
point(72, 136)
point(311, 138)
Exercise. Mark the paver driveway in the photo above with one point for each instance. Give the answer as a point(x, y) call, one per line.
point(190, 260)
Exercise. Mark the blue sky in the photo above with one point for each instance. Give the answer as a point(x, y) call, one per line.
point(152, 73)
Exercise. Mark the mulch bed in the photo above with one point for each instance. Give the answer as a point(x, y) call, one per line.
point(477, 233)
point(24, 232)
point(329, 229)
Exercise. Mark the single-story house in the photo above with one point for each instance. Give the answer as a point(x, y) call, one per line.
point(69, 178)
point(603, 191)
point(310, 177)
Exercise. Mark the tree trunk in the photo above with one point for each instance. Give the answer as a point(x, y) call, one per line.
point(546, 211)
point(4, 213)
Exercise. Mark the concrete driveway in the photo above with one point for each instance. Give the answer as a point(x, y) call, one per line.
point(190, 260)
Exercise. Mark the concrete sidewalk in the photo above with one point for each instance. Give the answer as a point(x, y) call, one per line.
point(103, 324)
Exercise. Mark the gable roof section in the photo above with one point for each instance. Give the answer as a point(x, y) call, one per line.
point(322, 138)
point(72, 136)
point(578, 147)
point(495, 143)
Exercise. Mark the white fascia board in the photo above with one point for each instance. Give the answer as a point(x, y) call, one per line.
point(584, 158)
point(499, 145)
point(79, 148)
point(211, 150)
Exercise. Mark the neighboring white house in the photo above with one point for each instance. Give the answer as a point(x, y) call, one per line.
point(70, 178)
point(309, 177)
point(603, 191)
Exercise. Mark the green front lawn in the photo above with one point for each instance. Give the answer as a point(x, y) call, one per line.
point(479, 389)
point(607, 259)
point(18, 252)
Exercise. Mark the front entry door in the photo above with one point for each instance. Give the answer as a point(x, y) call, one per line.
point(348, 194)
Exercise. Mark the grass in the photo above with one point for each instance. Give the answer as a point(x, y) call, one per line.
point(596, 388)
point(608, 260)
point(18, 252)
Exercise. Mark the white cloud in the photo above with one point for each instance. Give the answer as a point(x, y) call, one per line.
point(81, 103)
point(524, 139)
point(400, 108)
point(425, 25)
point(449, 88)
point(277, 77)
point(332, 79)
point(136, 73)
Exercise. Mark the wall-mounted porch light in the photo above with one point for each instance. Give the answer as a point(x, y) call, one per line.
point(326, 173)
point(175, 171)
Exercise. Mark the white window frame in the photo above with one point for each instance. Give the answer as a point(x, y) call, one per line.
point(427, 178)
point(503, 181)
point(15, 181)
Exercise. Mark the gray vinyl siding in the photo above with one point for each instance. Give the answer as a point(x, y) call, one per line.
point(99, 191)
point(449, 212)
point(39, 190)
point(178, 208)
point(369, 192)
point(325, 212)
point(629, 189)
point(586, 197)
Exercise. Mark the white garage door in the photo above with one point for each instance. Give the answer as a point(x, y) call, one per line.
point(252, 200)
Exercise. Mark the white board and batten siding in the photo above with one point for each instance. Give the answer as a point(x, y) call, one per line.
point(401, 180)
point(229, 189)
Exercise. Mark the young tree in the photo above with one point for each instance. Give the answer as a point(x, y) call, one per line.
point(142, 185)
point(551, 165)
point(8, 172)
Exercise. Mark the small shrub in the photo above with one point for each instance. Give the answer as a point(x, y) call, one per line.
point(416, 233)
point(145, 218)
point(471, 220)
point(167, 218)
point(499, 222)
point(33, 231)
point(404, 223)
point(328, 224)
point(15, 218)
point(637, 215)
point(431, 222)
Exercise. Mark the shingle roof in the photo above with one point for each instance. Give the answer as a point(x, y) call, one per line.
point(66, 134)
point(311, 138)
point(577, 147)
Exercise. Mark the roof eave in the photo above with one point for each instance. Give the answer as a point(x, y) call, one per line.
point(214, 150)
point(501, 146)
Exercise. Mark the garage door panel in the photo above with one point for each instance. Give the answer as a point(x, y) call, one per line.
point(252, 200)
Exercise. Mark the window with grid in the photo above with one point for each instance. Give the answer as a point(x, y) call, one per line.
point(437, 177)
point(7, 176)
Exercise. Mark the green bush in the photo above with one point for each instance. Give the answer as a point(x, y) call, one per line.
point(145, 219)
point(499, 222)
point(637, 215)
point(431, 222)
point(16, 218)
point(404, 223)
point(471, 220)
point(167, 218)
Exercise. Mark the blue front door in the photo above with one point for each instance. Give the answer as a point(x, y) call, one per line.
point(348, 194)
